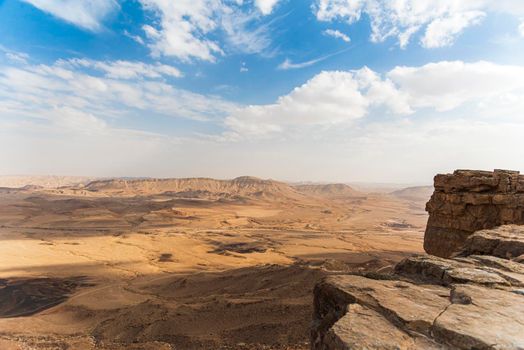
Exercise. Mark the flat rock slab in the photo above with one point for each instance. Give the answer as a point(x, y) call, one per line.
point(482, 318)
point(353, 331)
point(410, 306)
point(436, 270)
point(468, 302)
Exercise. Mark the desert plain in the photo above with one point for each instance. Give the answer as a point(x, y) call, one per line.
point(186, 263)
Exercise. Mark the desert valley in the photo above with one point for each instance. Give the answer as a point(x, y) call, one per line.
point(186, 263)
point(261, 175)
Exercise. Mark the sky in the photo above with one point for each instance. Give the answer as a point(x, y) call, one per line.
point(297, 90)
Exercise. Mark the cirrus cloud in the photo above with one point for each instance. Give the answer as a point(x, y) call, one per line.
point(84, 14)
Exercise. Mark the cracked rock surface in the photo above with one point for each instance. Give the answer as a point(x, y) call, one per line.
point(468, 302)
point(471, 297)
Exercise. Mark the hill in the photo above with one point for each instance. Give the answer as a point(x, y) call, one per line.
point(245, 186)
point(328, 190)
point(417, 193)
point(45, 181)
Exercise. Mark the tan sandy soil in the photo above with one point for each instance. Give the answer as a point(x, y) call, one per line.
point(82, 269)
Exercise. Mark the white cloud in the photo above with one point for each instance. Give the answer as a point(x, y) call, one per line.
point(205, 29)
point(288, 64)
point(402, 125)
point(125, 89)
point(84, 14)
point(521, 29)
point(328, 98)
point(327, 10)
point(136, 38)
point(337, 34)
point(445, 85)
point(441, 21)
point(73, 116)
point(443, 31)
point(17, 57)
point(126, 69)
point(344, 97)
point(185, 29)
point(266, 6)
point(240, 36)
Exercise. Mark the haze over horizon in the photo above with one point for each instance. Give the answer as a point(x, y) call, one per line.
point(318, 90)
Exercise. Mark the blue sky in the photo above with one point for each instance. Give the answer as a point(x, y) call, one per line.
point(321, 90)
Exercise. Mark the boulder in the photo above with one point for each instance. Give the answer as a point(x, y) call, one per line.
point(504, 242)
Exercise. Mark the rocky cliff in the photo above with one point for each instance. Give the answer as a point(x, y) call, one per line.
point(467, 201)
point(472, 300)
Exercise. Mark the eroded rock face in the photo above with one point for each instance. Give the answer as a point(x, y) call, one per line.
point(467, 302)
point(467, 201)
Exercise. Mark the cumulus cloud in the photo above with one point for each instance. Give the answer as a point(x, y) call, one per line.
point(329, 98)
point(444, 86)
point(337, 34)
point(521, 29)
point(185, 26)
point(266, 6)
point(441, 22)
point(84, 14)
point(443, 31)
point(344, 97)
point(338, 126)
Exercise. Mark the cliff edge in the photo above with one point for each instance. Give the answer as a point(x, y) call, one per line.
point(473, 298)
point(470, 200)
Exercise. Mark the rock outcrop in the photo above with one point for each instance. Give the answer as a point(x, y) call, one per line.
point(472, 301)
point(471, 297)
point(467, 201)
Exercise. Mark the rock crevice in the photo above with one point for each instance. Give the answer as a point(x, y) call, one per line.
point(471, 297)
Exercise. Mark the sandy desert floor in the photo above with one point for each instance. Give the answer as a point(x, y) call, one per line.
point(102, 271)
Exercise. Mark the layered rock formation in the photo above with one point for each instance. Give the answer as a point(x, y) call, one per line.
point(472, 300)
point(467, 201)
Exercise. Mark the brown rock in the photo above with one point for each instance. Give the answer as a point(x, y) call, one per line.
point(467, 201)
point(353, 331)
point(395, 314)
point(470, 296)
point(447, 272)
point(504, 242)
point(355, 312)
point(467, 302)
point(489, 319)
